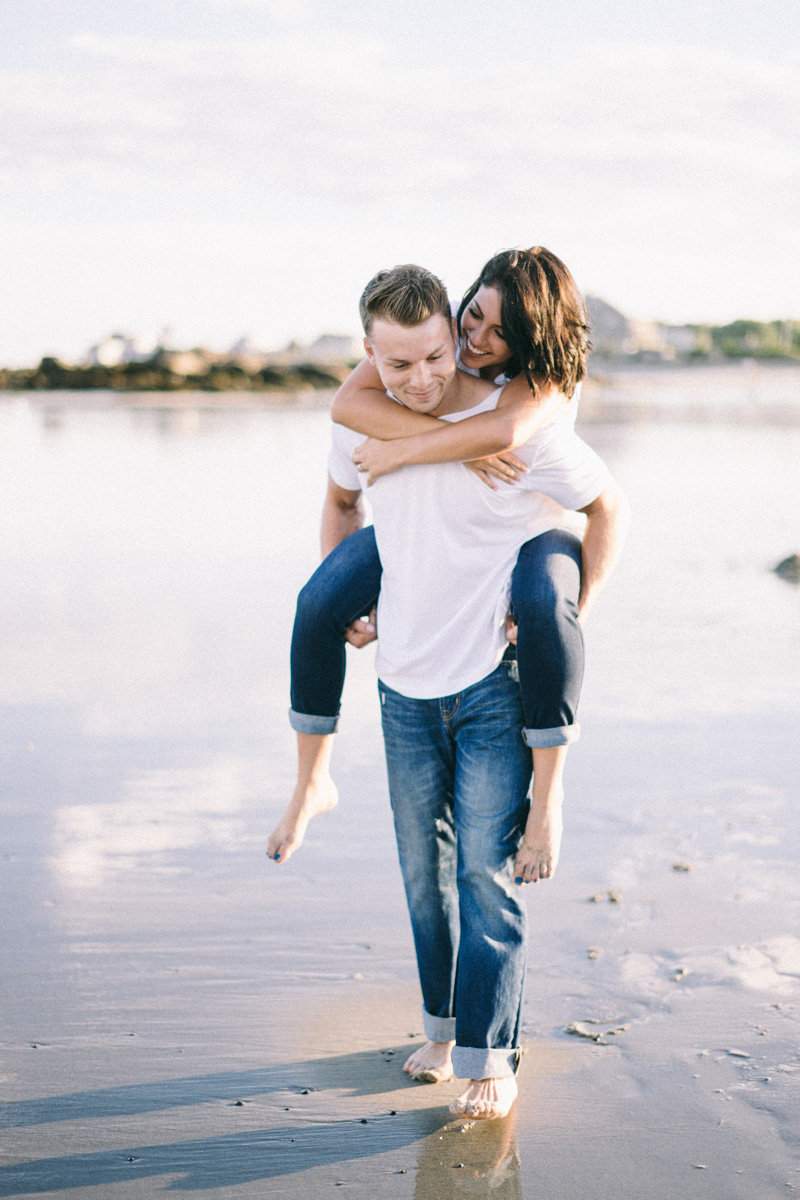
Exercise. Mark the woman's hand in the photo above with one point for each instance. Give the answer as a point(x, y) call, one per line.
point(504, 466)
point(375, 458)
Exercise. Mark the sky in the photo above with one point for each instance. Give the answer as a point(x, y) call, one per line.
point(216, 168)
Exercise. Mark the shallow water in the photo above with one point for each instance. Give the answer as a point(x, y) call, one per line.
point(158, 969)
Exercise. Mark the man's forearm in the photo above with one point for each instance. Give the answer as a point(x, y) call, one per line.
point(607, 527)
point(338, 523)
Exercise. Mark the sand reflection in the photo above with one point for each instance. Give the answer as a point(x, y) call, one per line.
point(158, 811)
point(470, 1158)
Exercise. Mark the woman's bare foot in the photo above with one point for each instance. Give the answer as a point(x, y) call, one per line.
point(486, 1099)
point(308, 801)
point(432, 1063)
point(539, 849)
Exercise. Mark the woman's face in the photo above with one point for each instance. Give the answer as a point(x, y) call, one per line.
point(482, 341)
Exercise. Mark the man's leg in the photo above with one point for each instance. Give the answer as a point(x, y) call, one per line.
point(493, 771)
point(420, 758)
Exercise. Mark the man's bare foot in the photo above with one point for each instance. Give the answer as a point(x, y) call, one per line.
point(308, 801)
point(432, 1063)
point(486, 1099)
point(539, 849)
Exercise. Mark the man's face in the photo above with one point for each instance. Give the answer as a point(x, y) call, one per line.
point(415, 365)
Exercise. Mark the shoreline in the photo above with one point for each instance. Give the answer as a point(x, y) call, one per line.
point(745, 393)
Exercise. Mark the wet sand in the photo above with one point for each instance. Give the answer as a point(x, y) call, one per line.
point(180, 1015)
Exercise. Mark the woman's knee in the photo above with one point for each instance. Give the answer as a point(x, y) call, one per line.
point(315, 608)
point(343, 587)
point(547, 578)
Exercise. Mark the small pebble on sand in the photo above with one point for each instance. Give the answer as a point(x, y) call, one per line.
point(682, 866)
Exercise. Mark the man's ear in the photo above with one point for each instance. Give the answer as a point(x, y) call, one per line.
point(368, 351)
point(454, 328)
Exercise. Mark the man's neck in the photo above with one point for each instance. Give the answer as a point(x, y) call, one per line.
point(463, 392)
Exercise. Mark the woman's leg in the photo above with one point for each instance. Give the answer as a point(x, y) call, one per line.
point(544, 595)
point(344, 587)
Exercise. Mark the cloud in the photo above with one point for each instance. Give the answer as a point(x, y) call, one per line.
point(653, 168)
point(338, 113)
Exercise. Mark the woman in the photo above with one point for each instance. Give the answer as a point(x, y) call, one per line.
point(522, 318)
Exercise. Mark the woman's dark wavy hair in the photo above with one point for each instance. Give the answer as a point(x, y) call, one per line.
point(543, 314)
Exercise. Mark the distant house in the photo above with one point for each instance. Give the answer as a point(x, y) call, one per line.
point(122, 348)
point(609, 328)
point(645, 337)
point(334, 347)
point(681, 339)
point(186, 362)
point(328, 350)
point(614, 335)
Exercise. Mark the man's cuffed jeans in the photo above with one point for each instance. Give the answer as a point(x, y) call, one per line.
point(459, 775)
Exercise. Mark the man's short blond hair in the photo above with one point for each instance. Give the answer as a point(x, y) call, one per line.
point(407, 295)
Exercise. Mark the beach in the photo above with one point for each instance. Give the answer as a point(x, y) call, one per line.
point(182, 1015)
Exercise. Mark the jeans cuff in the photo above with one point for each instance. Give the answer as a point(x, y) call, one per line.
point(438, 1029)
point(544, 739)
point(470, 1062)
point(308, 723)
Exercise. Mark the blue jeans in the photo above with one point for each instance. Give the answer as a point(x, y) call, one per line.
point(544, 597)
point(458, 779)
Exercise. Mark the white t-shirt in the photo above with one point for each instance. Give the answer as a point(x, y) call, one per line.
point(449, 544)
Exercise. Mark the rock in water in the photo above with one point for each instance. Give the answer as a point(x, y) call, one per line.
point(789, 569)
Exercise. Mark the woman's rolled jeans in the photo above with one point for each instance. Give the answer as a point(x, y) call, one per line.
point(544, 598)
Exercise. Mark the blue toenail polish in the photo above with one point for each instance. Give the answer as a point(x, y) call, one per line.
point(518, 879)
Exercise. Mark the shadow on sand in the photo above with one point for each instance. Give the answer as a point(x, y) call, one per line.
point(448, 1162)
point(362, 1074)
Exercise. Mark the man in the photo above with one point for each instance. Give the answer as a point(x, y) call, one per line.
point(459, 772)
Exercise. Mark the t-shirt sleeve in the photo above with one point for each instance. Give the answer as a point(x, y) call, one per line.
point(341, 467)
point(568, 470)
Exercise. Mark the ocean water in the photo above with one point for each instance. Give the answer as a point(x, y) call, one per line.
point(150, 558)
